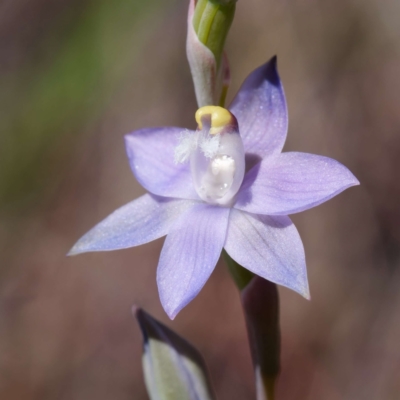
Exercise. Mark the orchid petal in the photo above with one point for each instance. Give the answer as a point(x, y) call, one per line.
point(292, 182)
point(151, 157)
point(190, 253)
point(269, 247)
point(140, 221)
point(260, 108)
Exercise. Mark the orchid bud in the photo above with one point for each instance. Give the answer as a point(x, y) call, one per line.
point(211, 21)
point(208, 25)
point(173, 368)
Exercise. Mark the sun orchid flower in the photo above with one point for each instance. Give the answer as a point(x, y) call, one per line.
point(225, 185)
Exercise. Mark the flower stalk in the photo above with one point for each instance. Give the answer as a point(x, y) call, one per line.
point(260, 301)
point(241, 276)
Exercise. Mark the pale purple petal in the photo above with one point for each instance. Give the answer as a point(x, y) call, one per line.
point(151, 154)
point(292, 182)
point(140, 221)
point(270, 247)
point(190, 253)
point(260, 108)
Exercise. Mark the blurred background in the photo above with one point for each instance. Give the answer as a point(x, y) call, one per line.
point(75, 76)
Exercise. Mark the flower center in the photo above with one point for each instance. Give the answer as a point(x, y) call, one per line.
point(217, 161)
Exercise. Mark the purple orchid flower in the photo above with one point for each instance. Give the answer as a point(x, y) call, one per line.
point(252, 225)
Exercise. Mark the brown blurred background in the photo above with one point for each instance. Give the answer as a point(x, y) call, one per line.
point(75, 76)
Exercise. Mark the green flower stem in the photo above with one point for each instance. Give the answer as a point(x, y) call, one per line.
point(260, 300)
point(268, 383)
point(241, 276)
point(211, 21)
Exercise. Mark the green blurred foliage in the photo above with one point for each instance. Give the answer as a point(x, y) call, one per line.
point(46, 104)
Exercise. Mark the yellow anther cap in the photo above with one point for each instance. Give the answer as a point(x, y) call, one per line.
point(220, 117)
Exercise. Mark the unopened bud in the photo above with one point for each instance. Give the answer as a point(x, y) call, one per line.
point(208, 25)
point(173, 368)
point(211, 21)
